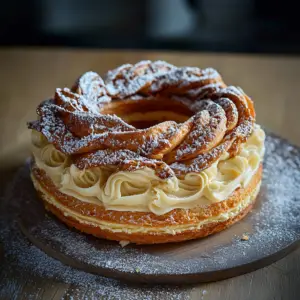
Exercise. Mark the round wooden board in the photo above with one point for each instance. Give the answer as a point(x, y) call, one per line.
point(273, 228)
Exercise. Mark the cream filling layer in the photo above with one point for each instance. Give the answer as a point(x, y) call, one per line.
point(131, 229)
point(142, 190)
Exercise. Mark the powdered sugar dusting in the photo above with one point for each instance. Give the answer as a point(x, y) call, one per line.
point(148, 77)
point(272, 226)
point(92, 87)
point(21, 256)
point(129, 79)
point(185, 78)
point(201, 162)
point(123, 160)
point(73, 121)
point(56, 132)
point(204, 91)
point(209, 128)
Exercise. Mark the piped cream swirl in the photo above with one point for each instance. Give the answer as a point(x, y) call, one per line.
point(142, 190)
point(85, 185)
point(48, 158)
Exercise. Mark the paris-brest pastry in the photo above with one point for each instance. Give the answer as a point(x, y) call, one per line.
point(153, 153)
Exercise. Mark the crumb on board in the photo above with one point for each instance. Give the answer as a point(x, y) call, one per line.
point(124, 243)
point(245, 237)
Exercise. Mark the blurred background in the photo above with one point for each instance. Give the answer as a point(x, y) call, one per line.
point(259, 26)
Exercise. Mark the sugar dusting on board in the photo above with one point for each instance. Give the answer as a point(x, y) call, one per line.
point(21, 255)
point(273, 225)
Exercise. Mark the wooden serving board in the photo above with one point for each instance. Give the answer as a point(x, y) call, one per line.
point(273, 228)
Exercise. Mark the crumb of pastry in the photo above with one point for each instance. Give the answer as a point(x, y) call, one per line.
point(124, 243)
point(245, 237)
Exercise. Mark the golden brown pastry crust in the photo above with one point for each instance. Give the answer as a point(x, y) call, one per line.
point(92, 117)
point(177, 217)
point(88, 123)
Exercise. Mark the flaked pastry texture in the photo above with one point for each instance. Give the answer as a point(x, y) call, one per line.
point(176, 123)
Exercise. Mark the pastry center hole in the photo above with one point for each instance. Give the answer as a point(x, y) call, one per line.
point(143, 120)
point(146, 113)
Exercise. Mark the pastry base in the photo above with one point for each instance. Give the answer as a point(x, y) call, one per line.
point(144, 227)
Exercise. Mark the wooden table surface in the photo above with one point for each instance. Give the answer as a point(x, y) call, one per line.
point(28, 76)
